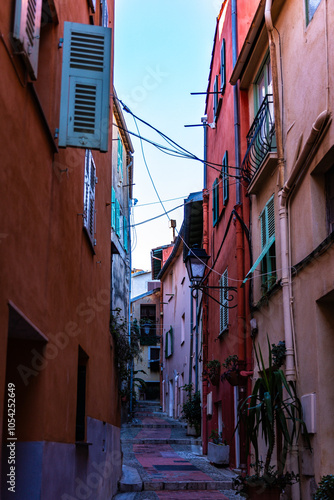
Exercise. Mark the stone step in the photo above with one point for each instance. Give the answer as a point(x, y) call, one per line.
point(130, 480)
point(155, 426)
point(190, 441)
point(186, 485)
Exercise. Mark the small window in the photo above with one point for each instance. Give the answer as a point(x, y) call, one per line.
point(120, 157)
point(183, 328)
point(215, 202)
point(311, 6)
point(223, 282)
point(223, 67)
point(154, 359)
point(89, 195)
point(329, 185)
point(225, 178)
point(113, 208)
point(80, 428)
point(169, 343)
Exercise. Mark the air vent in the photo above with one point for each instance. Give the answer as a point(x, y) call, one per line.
point(87, 51)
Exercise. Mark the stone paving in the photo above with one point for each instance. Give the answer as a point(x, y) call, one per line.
point(166, 463)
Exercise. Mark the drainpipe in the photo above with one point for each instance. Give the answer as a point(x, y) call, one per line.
point(236, 99)
point(191, 339)
point(205, 328)
point(277, 110)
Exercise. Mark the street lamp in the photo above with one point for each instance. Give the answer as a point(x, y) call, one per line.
point(196, 262)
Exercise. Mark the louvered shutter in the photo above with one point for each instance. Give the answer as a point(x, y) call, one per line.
point(125, 233)
point(89, 195)
point(225, 178)
point(113, 208)
point(222, 67)
point(270, 218)
point(27, 25)
point(215, 97)
point(85, 87)
point(118, 222)
point(215, 202)
point(223, 282)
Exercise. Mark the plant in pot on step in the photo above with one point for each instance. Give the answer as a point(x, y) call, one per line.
point(192, 411)
point(271, 414)
point(218, 449)
point(213, 371)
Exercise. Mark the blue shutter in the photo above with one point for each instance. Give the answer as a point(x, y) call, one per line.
point(125, 233)
point(225, 178)
point(26, 32)
point(89, 195)
point(222, 67)
point(85, 87)
point(118, 214)
point(113, 208)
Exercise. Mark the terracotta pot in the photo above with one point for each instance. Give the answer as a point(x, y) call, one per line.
point(234, 378)
point(214, 378)
point(258, 493)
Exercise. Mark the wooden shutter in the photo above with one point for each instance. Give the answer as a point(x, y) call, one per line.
point(113, 208)
point(118, 223)
point(89, 195)
point(125, 233)
point(26, 32)
point(267, 218)
point(222, 67)
point(215, 97)
point(85, 87)
point(225, 178)
point(215, 202)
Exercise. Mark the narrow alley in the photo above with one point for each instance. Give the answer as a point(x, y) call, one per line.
point(161, 462)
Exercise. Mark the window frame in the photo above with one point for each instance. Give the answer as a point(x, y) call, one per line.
point(90, 181)
point(215, 202)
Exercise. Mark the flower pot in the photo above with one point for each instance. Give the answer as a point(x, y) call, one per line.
point(193, 430)
point(218, 454)
point(258, 492)
point(234, 378)
point(214, 378)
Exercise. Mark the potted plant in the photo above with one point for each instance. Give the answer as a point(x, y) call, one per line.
point(233, 371)
point(213, 371)
point(325, 490)
point(191, 410)
point(273, 409)
point(218, 449)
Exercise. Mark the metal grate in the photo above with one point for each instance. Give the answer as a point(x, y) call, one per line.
point(87, 51)
point(84, 108)
point(31, 16)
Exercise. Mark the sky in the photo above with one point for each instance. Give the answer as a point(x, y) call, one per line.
point(162, 54)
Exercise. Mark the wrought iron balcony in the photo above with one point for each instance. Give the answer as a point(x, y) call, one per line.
point(260, 139)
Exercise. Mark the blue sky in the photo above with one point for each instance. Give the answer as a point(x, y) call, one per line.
point(162, 53)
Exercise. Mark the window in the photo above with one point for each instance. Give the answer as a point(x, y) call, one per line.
point(118, 218)
point(120, 157)
point(183, 328)
point(222, 67)
point(148, 324)
point(215, 98)
point(263, 84)
point(215, 202)
point(267, 257)
point(329, 186)
point(125, 233)
point(89, 195)
point(26, 31)
point(225, 178)
point(223, 282)
point(169, 343)
point(154, 358)
point(80, 428)
point(311, 7)
point(85, 87)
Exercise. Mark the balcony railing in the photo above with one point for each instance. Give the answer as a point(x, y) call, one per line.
point(260, 139)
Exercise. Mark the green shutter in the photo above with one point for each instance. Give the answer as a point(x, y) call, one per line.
point(26, 32)
point(85, 87)
point(223, 282)
point(222, 67)
point(113, 208)
point(225, 178)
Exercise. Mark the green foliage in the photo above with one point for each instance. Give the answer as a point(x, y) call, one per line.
point(217, 437)
point(231, 362)
point(325, 490)
point(272, 407)
point(191, 409)
point(262, 480)
point(127, 348)
point(278, 353)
